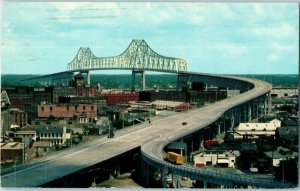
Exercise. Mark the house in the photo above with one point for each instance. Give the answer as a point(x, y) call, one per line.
point(258, 128)
point(26, 132)
point(216, 157)
point(55, 135)
point(41, 147)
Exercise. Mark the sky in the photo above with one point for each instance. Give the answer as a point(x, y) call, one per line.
point(222, 38)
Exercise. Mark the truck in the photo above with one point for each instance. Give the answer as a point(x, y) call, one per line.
point(175, 158)
point(210, 143)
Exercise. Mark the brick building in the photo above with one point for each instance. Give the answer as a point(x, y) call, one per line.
point(19, 96)
point(62, 91)
point(114, 98)
point(12, 119)
point(210, 95)
point(89, 111)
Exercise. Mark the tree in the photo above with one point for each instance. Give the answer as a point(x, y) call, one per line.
point(290, 169)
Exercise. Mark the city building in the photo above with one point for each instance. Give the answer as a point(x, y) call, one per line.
point(284, 92)
point(171, 105)
point(197, 97)
point(81, 89)
point(12, 119)
point(258, 128)
point(215, 158)
point(20, 95)
point(11, 152)
point(54, 135)
point(26, 132)
point(62, 91)
point(100, 101)
point(152, 96)
point(86, 111)
point(114, 98)
point(41, 148)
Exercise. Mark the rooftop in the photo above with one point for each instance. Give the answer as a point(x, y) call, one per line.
point(49, 129)
point(11, 146)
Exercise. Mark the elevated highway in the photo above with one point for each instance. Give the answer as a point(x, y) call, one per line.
point(152, 139)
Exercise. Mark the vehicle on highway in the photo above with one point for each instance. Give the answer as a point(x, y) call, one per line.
point(175, 158)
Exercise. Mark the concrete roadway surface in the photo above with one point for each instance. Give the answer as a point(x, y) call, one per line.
point(79, 157)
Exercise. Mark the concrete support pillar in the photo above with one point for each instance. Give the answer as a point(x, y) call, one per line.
point(88, 78)
point(232, 122)
point(117, 169)
point(204, 184)
point(177, 82)
point(257, 109)
point(249, 113)
point(133, 81)
point(269, 103)
point(265, 107)
point(245, 113)
point(147, 174)
point(261, 105)
point(239, 115)
point(201, 138)
point(192, 150)
point(164, 176)
point(219, 128)
point(143, 80)
point(224, 123)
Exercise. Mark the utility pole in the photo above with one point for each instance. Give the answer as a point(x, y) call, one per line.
point(123, 121)
point(283, 171)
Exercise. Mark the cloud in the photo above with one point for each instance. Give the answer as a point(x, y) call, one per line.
point(229, 49)
point(284, 30)
point(88, 17)
point(273, 57)
point(86, 9)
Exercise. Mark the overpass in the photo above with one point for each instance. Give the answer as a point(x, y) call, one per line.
point(252, 102)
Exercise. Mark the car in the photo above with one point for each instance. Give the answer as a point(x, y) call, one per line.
point(184, 178)
point(169, 181)
point(184, 123)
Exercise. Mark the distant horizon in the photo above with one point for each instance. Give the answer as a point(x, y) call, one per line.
point(153, 74)
point(157, 74)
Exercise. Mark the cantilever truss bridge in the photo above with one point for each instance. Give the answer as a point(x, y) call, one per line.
point(137, 57)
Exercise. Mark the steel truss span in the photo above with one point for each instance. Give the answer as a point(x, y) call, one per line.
point(138, 56)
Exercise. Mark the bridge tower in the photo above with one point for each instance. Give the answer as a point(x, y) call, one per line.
point(142, 72)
